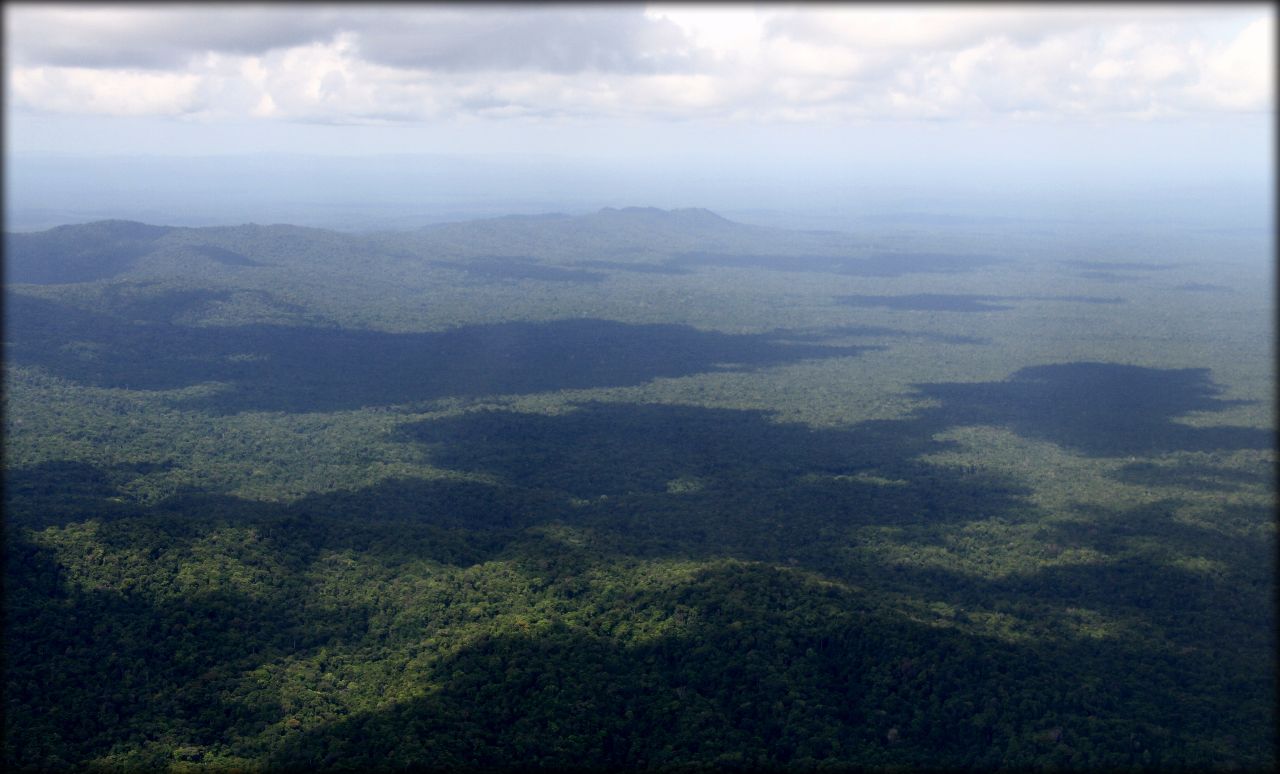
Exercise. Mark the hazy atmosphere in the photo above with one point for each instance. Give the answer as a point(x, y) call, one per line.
point(839, 109)
point(634, 387)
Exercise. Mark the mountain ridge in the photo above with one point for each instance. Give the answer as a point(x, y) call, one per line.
point(123, 226)
point(105, 249)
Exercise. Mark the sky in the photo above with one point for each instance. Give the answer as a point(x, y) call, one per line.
point(716, 98)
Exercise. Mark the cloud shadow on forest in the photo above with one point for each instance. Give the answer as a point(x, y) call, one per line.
point(1098, 409)
point(636, 268)
point(142, 660)
point(763, 490)
point(81, 253)
point(300, 369)
point(877, 265)
point(1119, 265)
point(1205, 478)
point(710, 484)
point(853, 677)
point(1109, 276)
point(960, 302)
point(1202, 287)
point(706, 687)
point(763, 486)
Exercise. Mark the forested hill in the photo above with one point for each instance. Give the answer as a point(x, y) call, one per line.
point(78, 253)
point(107, 249)
point(638, 489)
point(232, 275)
point(120, 249)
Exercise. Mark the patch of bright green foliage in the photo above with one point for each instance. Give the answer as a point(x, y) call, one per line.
point(796, 533)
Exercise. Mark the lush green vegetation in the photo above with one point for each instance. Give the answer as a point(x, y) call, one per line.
point(637, 490)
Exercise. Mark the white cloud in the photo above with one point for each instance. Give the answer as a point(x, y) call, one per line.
point(105, 92)
point(726, 31)
point(1242, 74)
point(344, 64)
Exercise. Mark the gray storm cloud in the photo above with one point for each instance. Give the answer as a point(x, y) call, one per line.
point(555, 40)
point(157, 38)
point(479, 38)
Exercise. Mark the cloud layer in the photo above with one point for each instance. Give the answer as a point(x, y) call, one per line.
point(826, 63)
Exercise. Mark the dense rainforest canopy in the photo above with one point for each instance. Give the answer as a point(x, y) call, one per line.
point(637, 489)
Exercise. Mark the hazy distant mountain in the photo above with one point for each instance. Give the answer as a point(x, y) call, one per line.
point(106, 249)
point(80, 253)
point(634, 489)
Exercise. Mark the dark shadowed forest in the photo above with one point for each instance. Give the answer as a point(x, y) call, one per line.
point(638, 489)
